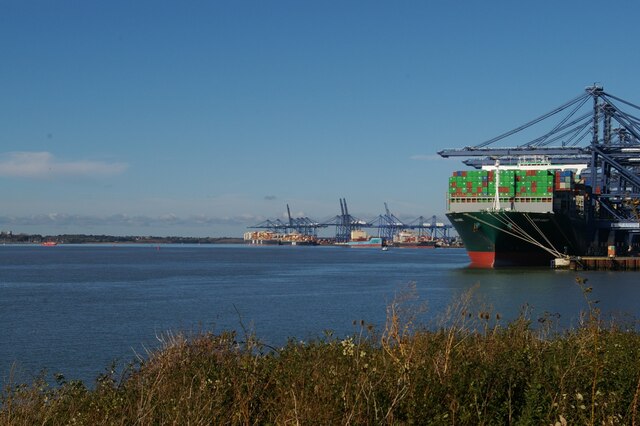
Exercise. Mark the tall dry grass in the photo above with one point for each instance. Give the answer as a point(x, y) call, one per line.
point(469, 370)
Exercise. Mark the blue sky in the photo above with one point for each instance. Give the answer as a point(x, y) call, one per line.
point(200, 118)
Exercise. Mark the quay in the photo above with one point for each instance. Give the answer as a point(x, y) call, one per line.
point(598, 263)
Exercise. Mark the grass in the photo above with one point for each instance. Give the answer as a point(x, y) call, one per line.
point(471, 370)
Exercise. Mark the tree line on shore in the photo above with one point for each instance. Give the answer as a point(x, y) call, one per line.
point(11, 238)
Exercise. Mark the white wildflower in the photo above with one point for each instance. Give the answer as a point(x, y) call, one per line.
point(348, 347)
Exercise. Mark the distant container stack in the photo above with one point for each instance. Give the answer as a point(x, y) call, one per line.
point(409, 239)
point(273, 238)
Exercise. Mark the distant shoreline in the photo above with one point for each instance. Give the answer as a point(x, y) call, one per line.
point(10, 238)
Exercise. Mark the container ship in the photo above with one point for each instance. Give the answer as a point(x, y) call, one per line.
point(274, 238)
point(263, 238)
point(580, 197)
point(521, 215)
point(298, 239)
point(360, 239)
point(409, 239)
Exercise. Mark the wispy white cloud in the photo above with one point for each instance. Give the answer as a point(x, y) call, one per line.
point(90, 221)
point(44, 165)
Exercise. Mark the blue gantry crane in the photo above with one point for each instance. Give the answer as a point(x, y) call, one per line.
point(301, 225)
point(433, 228)
point(345, 223)
point(388, 224)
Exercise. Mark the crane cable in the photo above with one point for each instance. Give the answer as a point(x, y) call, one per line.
point(532, 122)
point(537, 228)
point(559, 126)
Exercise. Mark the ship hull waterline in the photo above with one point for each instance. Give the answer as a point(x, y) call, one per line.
point(503, 239)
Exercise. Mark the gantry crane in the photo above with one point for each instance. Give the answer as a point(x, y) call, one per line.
point(596, 129)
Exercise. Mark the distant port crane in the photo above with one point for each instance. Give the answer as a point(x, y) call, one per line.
point(434, 228)
point(345, 223)
point(388, 225)
point(300, 225)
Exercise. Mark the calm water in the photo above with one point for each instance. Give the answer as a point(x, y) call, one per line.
point(75, 309)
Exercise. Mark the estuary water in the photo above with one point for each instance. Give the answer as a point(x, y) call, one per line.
point(76, 309)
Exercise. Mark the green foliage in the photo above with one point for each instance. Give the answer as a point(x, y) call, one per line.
point(471, 370)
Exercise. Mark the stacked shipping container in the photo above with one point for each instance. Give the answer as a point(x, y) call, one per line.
point(564, 180)
point(473, 183)
point(511, 183)
point(534, 183)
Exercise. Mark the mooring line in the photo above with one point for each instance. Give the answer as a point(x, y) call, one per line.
point(537, 228)
point(529, 240)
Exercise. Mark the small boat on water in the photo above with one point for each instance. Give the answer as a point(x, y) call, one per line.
point(49, 243)
point(360, 239)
